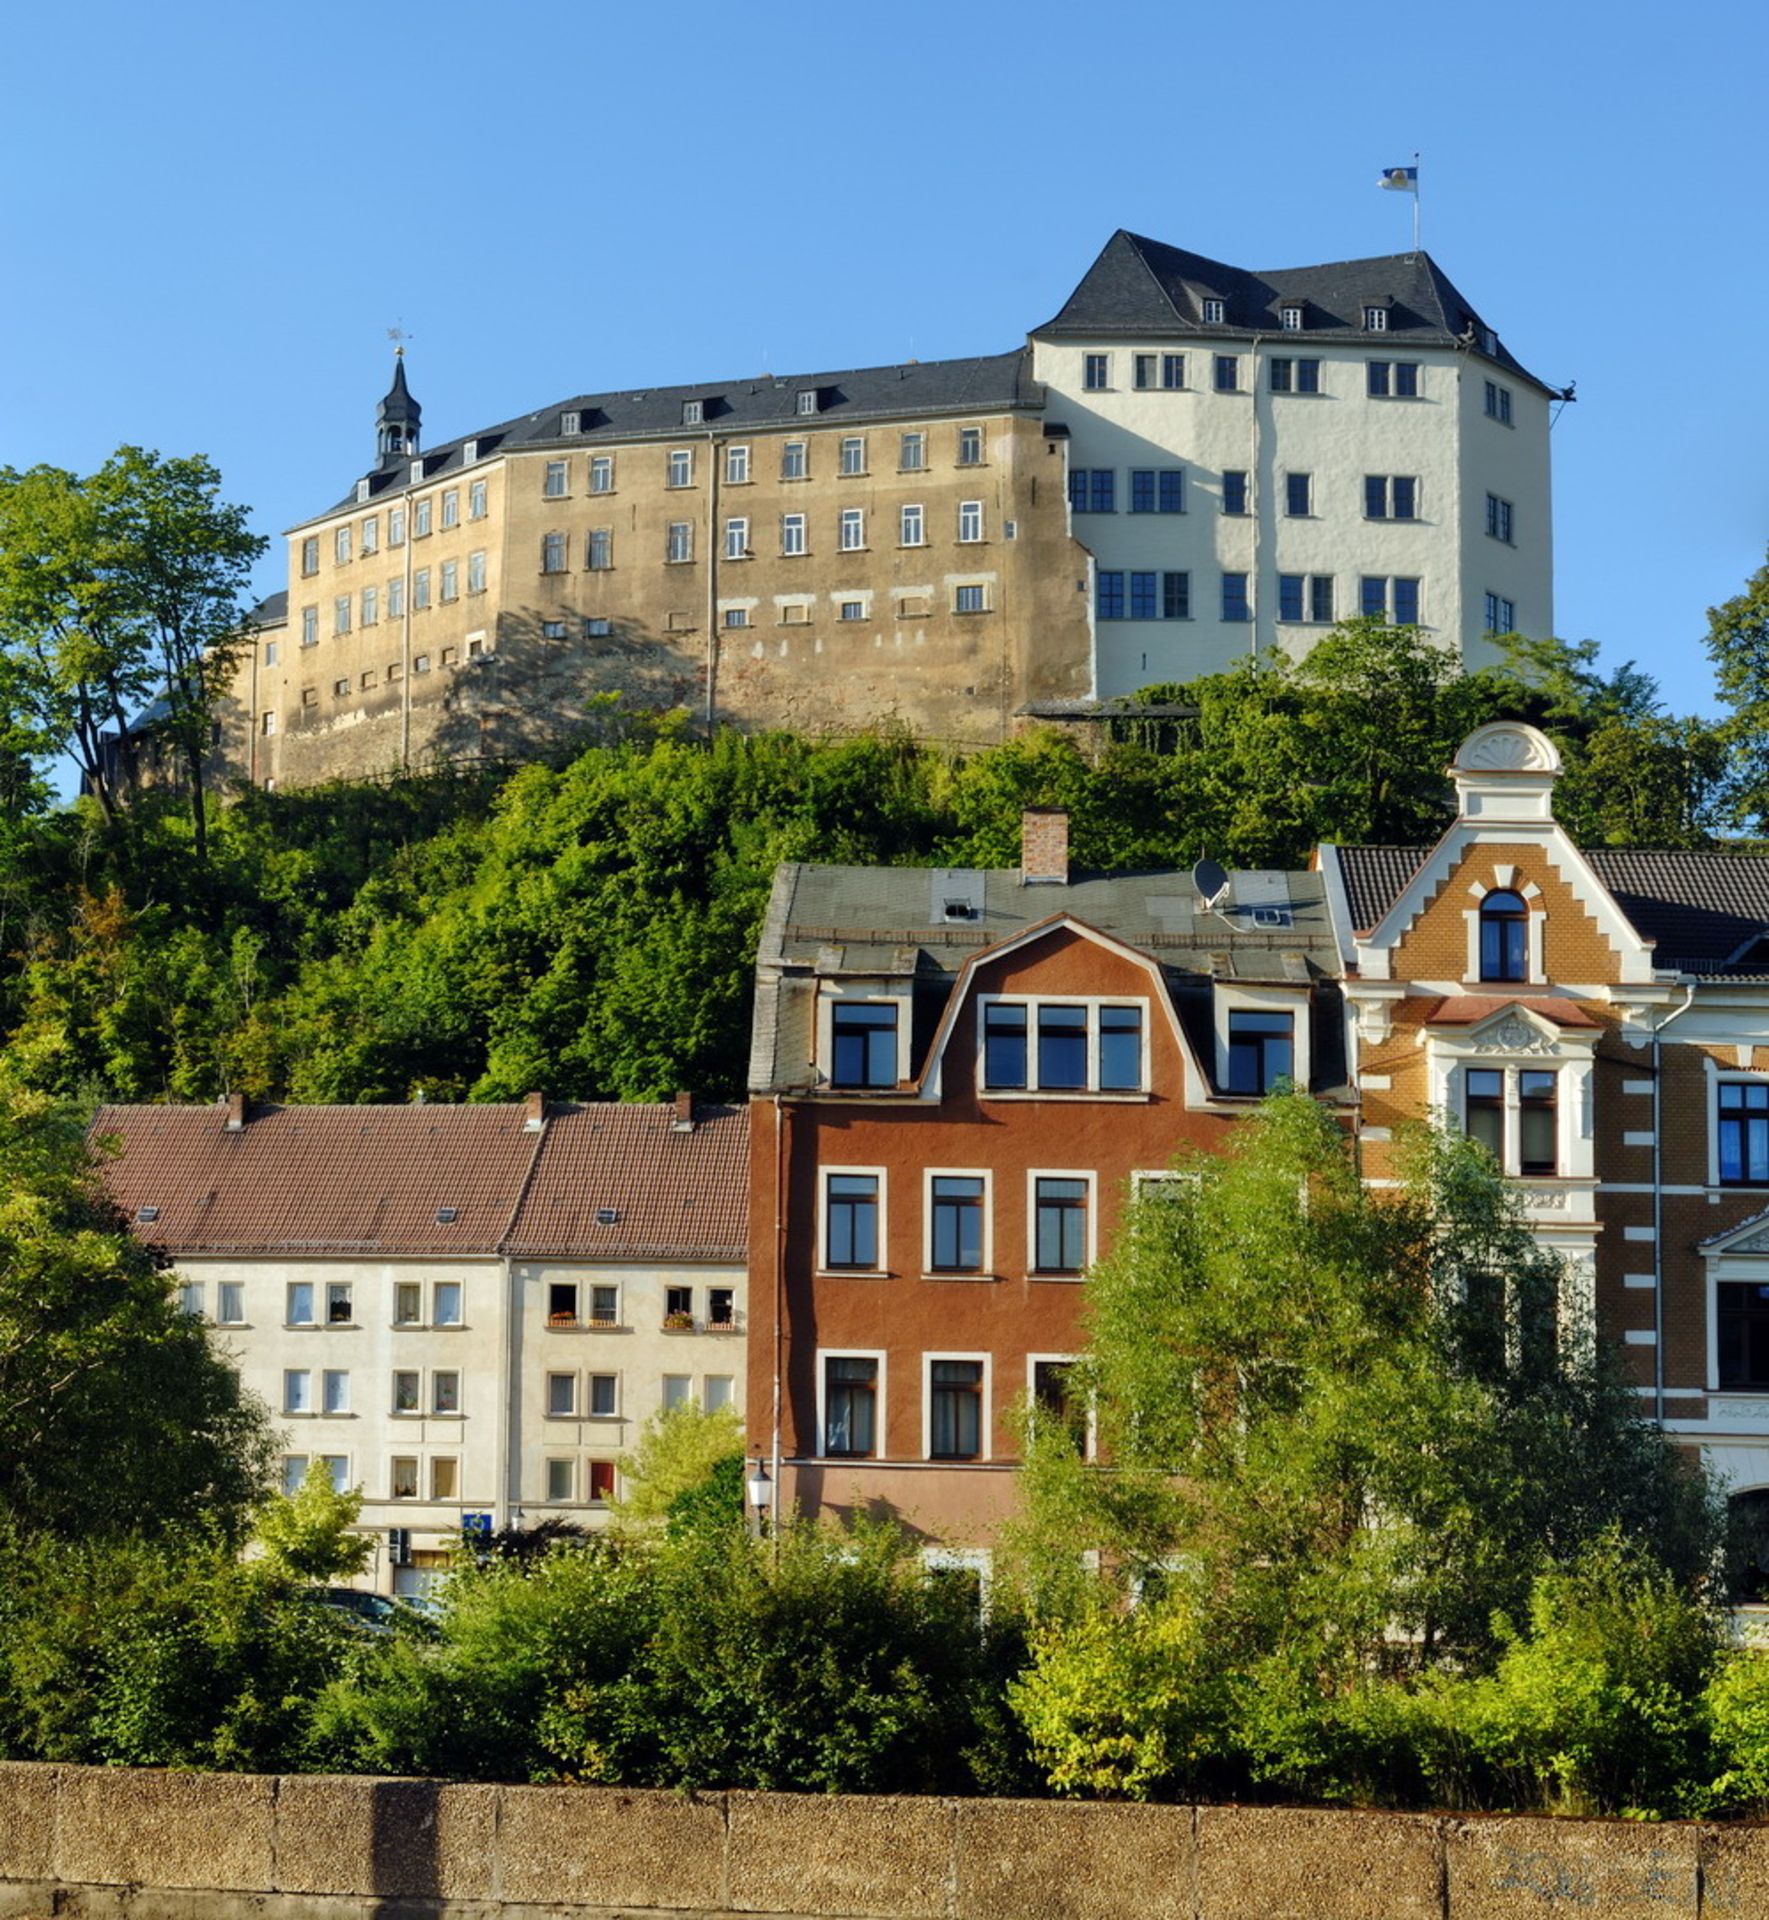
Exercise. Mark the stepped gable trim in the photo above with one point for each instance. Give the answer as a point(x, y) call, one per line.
point(1428, 880)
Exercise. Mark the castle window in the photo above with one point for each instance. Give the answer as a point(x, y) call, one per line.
point(1290, 319)
point(1504, 936)
point(1214, 313)
point(1375, 319)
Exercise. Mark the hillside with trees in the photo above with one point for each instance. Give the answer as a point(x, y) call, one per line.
point(587, 927)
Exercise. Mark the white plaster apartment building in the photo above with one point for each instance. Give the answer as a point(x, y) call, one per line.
point(462, 1310)
point(1253, 456)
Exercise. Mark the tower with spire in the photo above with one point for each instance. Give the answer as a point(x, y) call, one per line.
point(398, 417)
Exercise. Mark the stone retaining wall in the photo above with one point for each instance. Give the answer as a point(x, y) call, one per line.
point(111, 1844)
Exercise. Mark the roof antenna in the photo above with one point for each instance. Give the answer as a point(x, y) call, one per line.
point(1210, 877)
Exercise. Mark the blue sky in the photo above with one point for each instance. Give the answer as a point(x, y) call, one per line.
point(212, 214)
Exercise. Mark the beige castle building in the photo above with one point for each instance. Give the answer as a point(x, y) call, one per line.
point(1188, 464)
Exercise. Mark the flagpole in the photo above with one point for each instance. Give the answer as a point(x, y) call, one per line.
point(1415, 203)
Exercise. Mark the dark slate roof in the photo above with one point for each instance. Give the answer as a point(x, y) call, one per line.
point(1139, 286)
point(1704, 911)
point(1374, 877)
point(399, 407)
point(854, 396)
point(272, 610)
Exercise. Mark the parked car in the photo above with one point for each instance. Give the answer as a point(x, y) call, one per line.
point(374, 1612)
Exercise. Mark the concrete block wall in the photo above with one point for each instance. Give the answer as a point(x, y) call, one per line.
point(115, 1844)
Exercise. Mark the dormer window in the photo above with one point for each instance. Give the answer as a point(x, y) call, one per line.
point(862, 1044)
point(1504, 936)
point(1050, 1046)
point(1290, 319)
point(362, 492)
point(1375, 319)
point(571, 422)
point(417, 472)
point(470, 450)
point(1214, 313)
point(807, 400)
point(1261, 1051)
point(693, 412)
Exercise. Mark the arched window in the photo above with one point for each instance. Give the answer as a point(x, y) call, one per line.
point(1504, 936)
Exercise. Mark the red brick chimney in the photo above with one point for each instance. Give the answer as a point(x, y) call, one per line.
point(1044, 847)
point(236, 1113)
point(684, 1120)
point(534, 1113)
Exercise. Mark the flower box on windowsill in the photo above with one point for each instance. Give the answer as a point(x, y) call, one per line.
point(678, 1323)
point(721, 1326)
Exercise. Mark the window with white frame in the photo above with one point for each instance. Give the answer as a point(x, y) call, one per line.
point(190, 1298)
point(912, 453)
point(341, 545)
point(957, 1212)
point(451, 506)
point(298, 1390)
point(395, 599)
point(680, 467)
point(1053, 1400)
point(970, 521)
point(853, 1225)
point(970, 599)
point(230, 1303)
point(337, 1466)
point(445, 1391)
point(1504, 935)
point(1096, 371)
point(679, 541)
point(421, 590)
point(792, 535)
point(1375, 319)
point(1063, 1046)
point(970, 446)
point(850, 1389)
point(599, 549)
point(911, 527)
point(310, 626)
point(795, 460)
point(863, 1043)
point(1513, 1113)
point(1741, 1132)
point(476, 500)
point(335, 1390)
point(450, 571)
point(561, 1479)
point(445, 1479)
point(421, 518)
point(716, 1391)
point(737, 539)
point(369, 535)
point(678, 1390)
point(1261, 1049)
point(853, 529)
point(310, 554)
point(341, 614)
point(408, 1391)
point(294, 1472)
point(476, 572)
point(853, 453)
point(561, 1396)
point(603, 1396)
point(298, 1311)
point(396, 526)
point(602, 473)
point(1215, 313)
point(957, 1407)
point(1062, 1223)
point(445, 1304)
point(402, 1477)
point(370, 611)
point(737, 466)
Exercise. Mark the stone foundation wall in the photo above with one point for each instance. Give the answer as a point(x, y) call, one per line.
point(114, 1843)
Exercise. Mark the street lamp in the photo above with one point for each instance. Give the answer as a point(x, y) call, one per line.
point(760, 1490)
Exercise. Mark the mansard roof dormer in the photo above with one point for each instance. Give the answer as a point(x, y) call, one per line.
point(398, 418)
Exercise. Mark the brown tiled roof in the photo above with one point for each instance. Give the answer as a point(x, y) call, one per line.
point(320, 1180)
point(325, 1181)
point(1469, 1009)
point(675, 1195)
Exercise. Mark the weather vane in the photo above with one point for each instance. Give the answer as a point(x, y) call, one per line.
point(399, 337)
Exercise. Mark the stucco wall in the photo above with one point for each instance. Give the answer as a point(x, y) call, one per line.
point(101, 1841)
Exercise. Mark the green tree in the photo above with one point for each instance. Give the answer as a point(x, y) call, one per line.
point(1342, 1433)
point(309, 1534)
point(682, 1452)
point(116, 1414)
point(1738, 645)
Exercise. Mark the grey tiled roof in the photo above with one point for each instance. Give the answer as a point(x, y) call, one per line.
point(1704, 911)
point(1143, 286)
point(830, 922)
point(989, 383)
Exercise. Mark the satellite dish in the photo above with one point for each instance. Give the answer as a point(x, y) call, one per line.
point(1210, 877)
